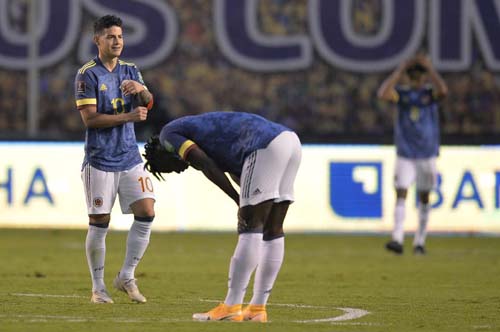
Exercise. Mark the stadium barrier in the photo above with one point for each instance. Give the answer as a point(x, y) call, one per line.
point(339, 188)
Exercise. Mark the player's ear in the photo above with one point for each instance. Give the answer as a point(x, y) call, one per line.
point(96, 40)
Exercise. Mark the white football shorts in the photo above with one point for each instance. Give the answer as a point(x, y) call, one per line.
point(270, 173)
point(421, 171)
point(101, 188)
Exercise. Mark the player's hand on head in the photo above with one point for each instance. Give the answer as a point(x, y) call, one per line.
point(130, 87)
point(424, 60)
point(140, 113)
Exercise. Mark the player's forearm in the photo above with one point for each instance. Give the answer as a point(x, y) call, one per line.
point(144, 98)
point(221, 180)
point(438, 82)
point(98, 120)
point(387, 87)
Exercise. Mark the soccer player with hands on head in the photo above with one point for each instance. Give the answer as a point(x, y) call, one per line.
point(111, 95)
point(417, 140)
point(263, 157)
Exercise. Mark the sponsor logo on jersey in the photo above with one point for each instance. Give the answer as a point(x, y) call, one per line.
point(103, 87)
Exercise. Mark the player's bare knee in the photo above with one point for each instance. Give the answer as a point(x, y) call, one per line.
point(248, 223)
point(99, 220)
point(143, 208)
point(401, 193)
point(272, 234)
point(424, 197)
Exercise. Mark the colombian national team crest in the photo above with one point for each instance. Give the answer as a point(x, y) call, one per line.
point(98, 202)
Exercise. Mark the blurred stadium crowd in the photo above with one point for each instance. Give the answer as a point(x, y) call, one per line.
point(323, 104)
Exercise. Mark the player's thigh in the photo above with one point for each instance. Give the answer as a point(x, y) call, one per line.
point(100, 190)
point(286, 188)
point(135, 184)
point(426, 174)
point(262, 172)
point(404, 173)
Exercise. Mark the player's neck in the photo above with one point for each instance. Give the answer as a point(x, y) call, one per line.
point(108, 62)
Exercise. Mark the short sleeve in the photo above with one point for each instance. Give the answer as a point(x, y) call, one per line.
point(85, 91)
point(137, 76)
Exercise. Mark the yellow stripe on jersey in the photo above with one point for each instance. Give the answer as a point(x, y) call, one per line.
point(126, 63)
point(185, 148)
point(86, 101)
point(86, 66)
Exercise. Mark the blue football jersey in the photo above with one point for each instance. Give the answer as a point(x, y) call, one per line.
point(109, 149)
point(416, 130)
point(226, 137)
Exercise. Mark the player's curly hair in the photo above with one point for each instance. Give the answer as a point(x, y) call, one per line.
point(152, 154)
point(161, 160)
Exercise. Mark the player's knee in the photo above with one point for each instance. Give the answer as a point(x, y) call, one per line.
point(401, 193)
point(99, 220)
point(148, 219)
point(273, 233)
point(424, 197)
point(143, 208)
point(249, 225)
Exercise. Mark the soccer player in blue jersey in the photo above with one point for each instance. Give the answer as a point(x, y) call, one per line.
point(417, 140)
point(111, 95)
point(263, 157)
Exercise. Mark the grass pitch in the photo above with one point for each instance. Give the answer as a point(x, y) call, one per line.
point(45, 284)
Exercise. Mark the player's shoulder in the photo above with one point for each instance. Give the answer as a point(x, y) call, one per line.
point(403, 88)
point(87, 67)
point(127, 64)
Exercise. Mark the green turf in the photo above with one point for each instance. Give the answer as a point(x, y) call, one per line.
point(454, 288)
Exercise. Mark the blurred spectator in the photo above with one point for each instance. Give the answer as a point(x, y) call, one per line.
point(322, 104)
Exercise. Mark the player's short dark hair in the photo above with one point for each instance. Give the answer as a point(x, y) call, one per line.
point(106, 21)
point(416, 68)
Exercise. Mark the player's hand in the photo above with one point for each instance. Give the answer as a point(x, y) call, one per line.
point(138, 114)
point(404, 65)
point(130, 87)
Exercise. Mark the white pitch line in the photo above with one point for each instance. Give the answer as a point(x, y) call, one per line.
point(74, 319)
point(46, 295)
point(350, 314)
point(290, 305)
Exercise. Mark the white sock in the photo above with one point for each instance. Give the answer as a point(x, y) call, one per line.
point(398, 232)
point(137, 242)
point(95, 248)
point(423, 218)
point(271, 258)
point(243, 263)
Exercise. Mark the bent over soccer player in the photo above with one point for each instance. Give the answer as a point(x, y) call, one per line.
point(111, 96)
point(263, 157)
point(416, 133)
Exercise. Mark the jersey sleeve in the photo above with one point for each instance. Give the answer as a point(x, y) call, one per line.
point(174, 141)
point(85, 90)
point(137, 76)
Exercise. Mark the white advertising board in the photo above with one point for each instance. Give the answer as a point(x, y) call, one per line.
point(339, 188)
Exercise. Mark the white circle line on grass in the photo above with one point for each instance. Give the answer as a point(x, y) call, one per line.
point(290, 305)
point(349, 313)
